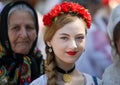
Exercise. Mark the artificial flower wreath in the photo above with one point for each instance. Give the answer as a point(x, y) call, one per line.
point(67, 7)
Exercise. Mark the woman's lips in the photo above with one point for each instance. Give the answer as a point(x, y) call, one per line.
point(71, 53)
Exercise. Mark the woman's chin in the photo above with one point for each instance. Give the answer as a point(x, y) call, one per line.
point(24, 52)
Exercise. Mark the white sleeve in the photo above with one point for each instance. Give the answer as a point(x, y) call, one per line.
point(42, 80)
point(91, 81)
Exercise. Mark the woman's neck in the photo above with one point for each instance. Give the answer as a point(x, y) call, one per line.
point(65, 66)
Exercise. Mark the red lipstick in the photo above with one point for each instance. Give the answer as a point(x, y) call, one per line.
point(71, 53)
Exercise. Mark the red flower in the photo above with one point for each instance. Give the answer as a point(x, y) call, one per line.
point(47, 19)
point(76, 7)
point(67, 7)
point(82, 12)
point(55, 12)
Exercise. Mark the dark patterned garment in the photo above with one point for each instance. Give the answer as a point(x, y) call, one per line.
point(20, 70)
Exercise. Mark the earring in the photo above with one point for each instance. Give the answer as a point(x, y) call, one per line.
point(50, 49)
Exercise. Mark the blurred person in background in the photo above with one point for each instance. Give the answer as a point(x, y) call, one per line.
point(111, 75)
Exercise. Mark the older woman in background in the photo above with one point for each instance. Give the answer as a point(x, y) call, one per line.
point(20, 60)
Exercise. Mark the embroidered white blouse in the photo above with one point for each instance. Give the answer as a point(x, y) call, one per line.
point(42, 80)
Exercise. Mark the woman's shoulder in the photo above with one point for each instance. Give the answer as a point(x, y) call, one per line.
point(111, 75)
point(112, 69)
point(91, 80)
point(42, 80)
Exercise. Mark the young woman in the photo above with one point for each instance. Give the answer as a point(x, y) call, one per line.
point(65, 34)
point(20, 60)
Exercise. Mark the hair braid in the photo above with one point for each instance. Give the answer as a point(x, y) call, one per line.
point(50, 66)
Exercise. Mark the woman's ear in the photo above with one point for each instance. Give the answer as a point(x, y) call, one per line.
point(48, 43)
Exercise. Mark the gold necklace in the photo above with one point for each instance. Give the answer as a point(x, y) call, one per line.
point(67, 78)
point(66, 74)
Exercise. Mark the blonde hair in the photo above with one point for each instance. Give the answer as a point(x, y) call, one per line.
point(50, 63)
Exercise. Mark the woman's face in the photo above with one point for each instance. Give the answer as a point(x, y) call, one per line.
point(21, 31)
point(68, 43)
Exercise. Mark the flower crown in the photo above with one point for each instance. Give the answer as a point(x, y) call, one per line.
point(67, 7)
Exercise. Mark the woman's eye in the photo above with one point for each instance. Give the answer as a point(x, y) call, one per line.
point(29, 28)
point(64, 38)
point(15, 28)
point(80, 38)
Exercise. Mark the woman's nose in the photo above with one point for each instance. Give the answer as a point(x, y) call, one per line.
point(73, 44)
point(23, 32)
